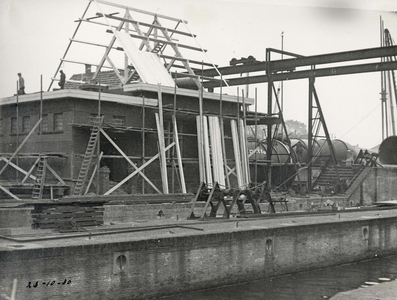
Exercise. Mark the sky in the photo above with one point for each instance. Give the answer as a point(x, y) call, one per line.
point(35, 34)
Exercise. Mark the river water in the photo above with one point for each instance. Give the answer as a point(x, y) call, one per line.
point(313, 285)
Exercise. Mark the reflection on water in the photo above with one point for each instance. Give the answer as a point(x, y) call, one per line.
point(321, 284)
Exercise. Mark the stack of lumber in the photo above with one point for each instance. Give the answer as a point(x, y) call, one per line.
point(211, 158)
point(67, 215)
point(135, 199)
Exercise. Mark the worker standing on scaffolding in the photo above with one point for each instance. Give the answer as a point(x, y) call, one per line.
point(21, 90)
point(299, 151)
point(62, 80)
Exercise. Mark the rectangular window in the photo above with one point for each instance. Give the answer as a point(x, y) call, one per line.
point(44, 123)
point(118, 120)
point(13, 125)
point(25, 124)
point(94, 118)
point(58, 122)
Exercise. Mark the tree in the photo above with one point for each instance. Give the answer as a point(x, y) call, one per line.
point(295, 128)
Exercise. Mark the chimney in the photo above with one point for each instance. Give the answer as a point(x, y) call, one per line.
point(88, 69)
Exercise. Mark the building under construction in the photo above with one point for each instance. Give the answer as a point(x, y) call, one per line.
point(148, 130)
point(156, 124)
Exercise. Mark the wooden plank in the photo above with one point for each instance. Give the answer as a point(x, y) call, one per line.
point(18, 168)
point(50, 217)
point(222, 179)
point(55, 174)
point(93, 173)
point(207, 158)
point(9, 193)
point(163, 163)
point(28, 174)
point(137, 171)
point(129, 160)
point(213, 149)
point(244, 154)
point(21, 145)
point(160, 134)
point(168, 41)
point(140, 11)
point(237, 153)
point(200, 150)
point(148, 25)
point(179, 156)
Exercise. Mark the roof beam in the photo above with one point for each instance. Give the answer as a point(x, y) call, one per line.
point(186, 59)
point(146, 24)
point(140, 11)
point(162, 41)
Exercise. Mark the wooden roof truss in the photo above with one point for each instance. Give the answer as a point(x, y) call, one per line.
point(149, 33)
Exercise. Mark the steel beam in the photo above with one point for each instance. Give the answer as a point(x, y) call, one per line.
point(345, 70)
point(290, 64)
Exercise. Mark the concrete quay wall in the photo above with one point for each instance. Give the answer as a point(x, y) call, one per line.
point(379, 185)
point(166, 265)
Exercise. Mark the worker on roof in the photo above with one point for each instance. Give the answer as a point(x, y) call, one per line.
point(62, 81)
point(21, 84)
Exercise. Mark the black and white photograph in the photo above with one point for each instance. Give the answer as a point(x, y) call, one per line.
point(202, 150)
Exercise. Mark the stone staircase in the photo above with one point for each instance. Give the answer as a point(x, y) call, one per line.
point(328, 178)
point(350, 177)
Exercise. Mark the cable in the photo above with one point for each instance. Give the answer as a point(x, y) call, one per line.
point(360, 121)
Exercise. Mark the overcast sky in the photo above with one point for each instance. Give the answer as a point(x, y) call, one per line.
point(35, 33)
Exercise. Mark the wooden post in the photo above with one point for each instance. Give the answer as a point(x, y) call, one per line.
point(202, 130)
point(41, 113)
point(98, 146)
point(173, 149)
point(223, 136)
point(14, 289)
point(17, 145)
point(237, 152)
point(143, 140)
point(243, 148)
point(269, 127)
point(163, 162)
point(200, 150)
point(256, 136)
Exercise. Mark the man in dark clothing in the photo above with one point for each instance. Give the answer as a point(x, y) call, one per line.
point(299, 151)
point(21, 90)
point(62, 80)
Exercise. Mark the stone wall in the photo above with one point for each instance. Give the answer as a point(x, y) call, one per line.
point(164, 266)
point(379, 185)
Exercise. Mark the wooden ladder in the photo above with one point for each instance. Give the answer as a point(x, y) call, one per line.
point(86, 164)
point(40, 177)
